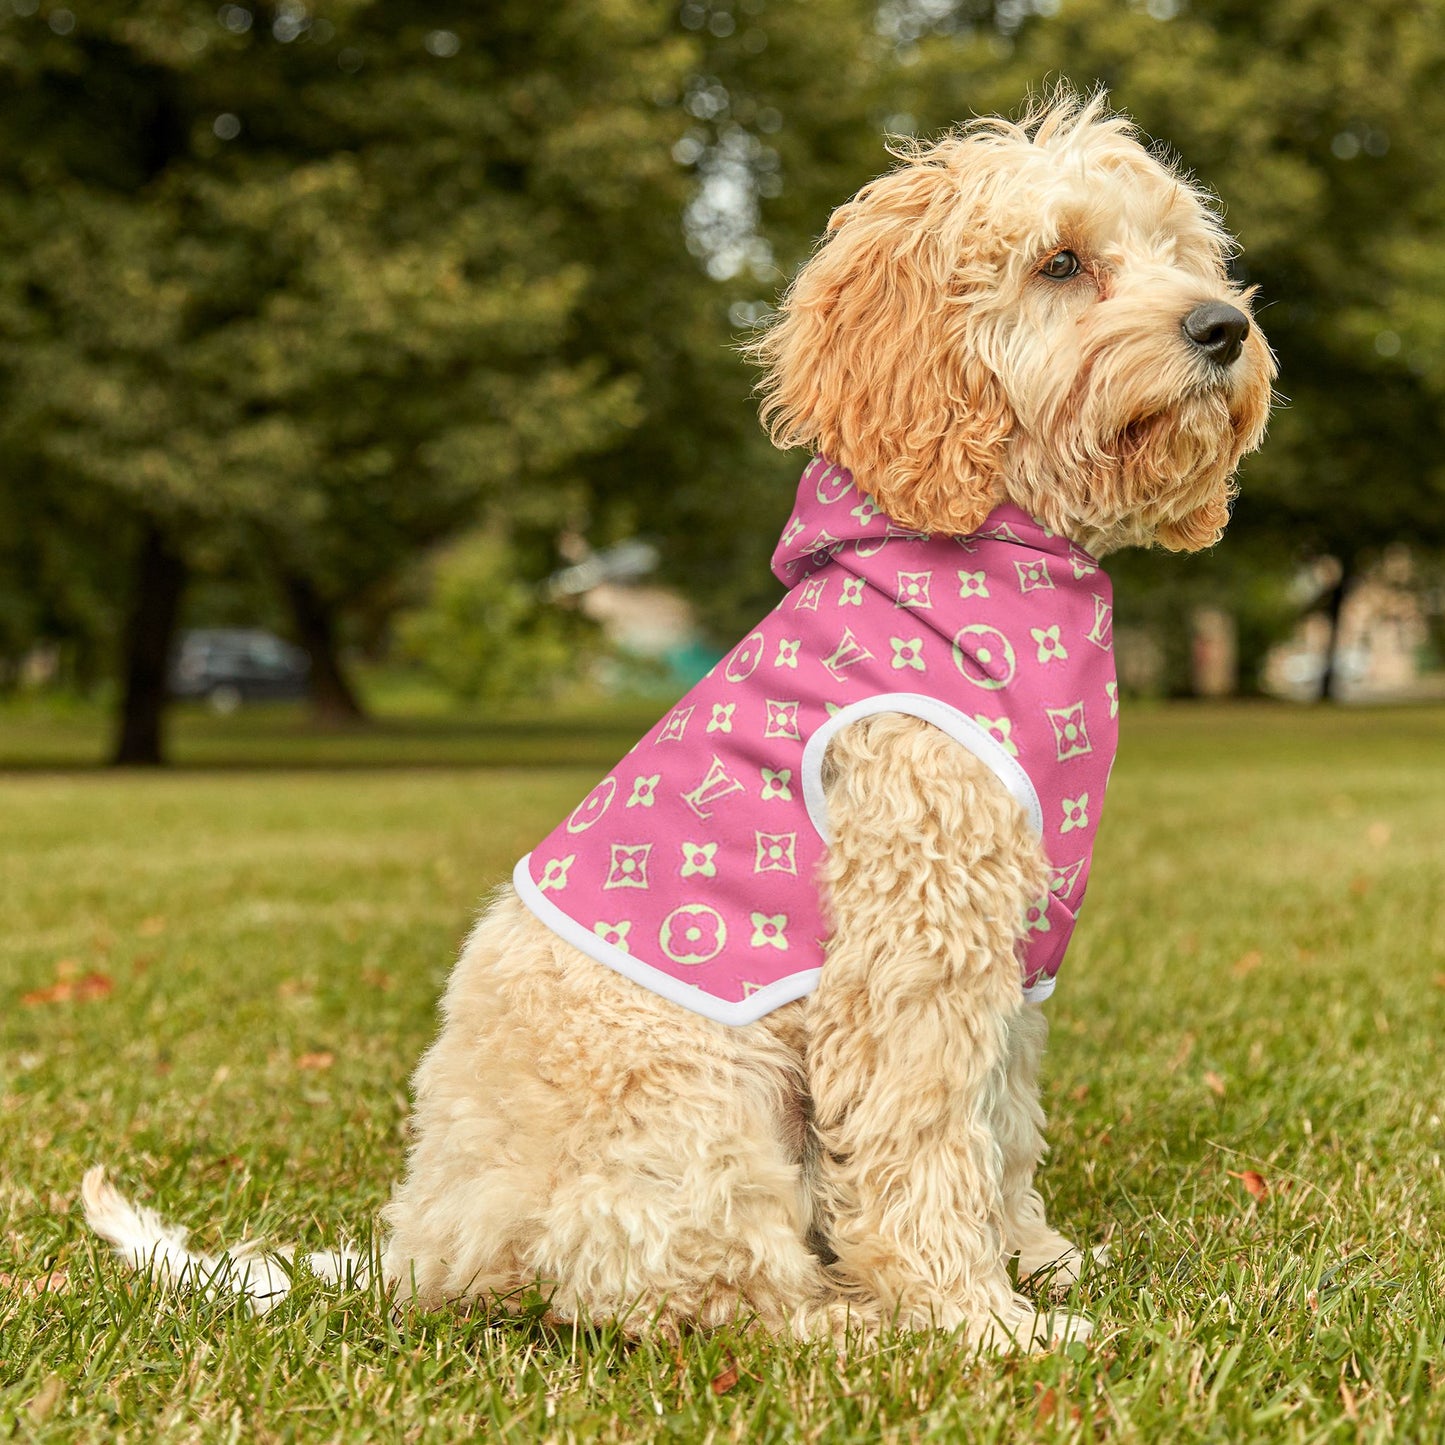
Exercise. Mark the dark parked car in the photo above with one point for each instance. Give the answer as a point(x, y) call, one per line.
point(231, 665)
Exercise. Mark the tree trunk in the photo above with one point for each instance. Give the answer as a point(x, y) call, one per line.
point(160, 578)
point(333, 699)
point(1329, 677)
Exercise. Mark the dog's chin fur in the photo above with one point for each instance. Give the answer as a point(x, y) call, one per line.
point(864, 1158)
point(1165, 478)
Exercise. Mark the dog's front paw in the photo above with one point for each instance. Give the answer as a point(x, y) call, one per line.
point(1061, 1327)
point(1058, 1269)
point(1023, 1326)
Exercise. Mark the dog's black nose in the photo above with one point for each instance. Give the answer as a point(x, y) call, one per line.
point(1218, 330)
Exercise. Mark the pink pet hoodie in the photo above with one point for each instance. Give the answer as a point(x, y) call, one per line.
point(691, 868)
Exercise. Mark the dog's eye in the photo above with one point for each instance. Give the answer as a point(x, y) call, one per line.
point(1060, 266)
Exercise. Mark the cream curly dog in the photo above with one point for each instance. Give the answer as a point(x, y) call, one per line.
point(1032, 316)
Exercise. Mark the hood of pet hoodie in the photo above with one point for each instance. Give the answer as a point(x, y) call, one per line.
point(691, 868)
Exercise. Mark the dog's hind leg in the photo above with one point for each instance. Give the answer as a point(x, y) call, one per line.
point(928, 873)
point(1042, 1251)
point(578, 1135)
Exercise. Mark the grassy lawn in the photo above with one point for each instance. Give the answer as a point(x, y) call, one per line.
point(216, 980)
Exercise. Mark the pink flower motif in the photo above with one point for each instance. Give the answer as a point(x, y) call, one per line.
point(852, 594)
point(776, 785)
point(973, 584)
point(629, 866)
point(908, 652)
point(788, 652)
point(721, 720)
point(1076, 813)
point(1062, 880)
point(614, 933)
point(1033, 575)
point(776, 853)
point(699, 858)
point(782, 720)
point(676, 725)
point(913, 589)
point(1071, 736)
point(692, 934)
point(554, 875)
point(770, 931)
point(1049, 644)
point(1000, 729)
point(810, 594)
point(1036, 916)
point(644, 790)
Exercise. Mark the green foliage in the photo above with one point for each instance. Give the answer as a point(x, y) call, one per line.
point(324, 286)
point(306, 294)
point(317, 288)
point(485, 634)
point(1159, 596)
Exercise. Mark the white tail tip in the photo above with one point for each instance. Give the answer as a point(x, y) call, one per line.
point(148, 1244)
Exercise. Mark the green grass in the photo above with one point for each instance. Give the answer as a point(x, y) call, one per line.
point(407, 728)
point(1256, 985)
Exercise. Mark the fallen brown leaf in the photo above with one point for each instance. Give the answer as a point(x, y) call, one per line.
point(66, 990)
point(56, 1282)
point(151, 927)
point(322, 1059)
point(1440, 980)
point(1046, 1407)
point(56, 993)
point(723, 1382)
point(1247, 963)
point(1255, 1184)
point(1214, 1083)
point(377, 978)
point(1079, 1094)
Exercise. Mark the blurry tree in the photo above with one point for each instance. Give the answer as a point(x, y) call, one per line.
point(483, 633)
point(324, 285)
point(306, 283)
point(783, 107)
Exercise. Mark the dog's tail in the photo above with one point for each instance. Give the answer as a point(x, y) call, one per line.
point(147, 1243)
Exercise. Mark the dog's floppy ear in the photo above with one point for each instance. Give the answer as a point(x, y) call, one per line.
point(872, 361)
